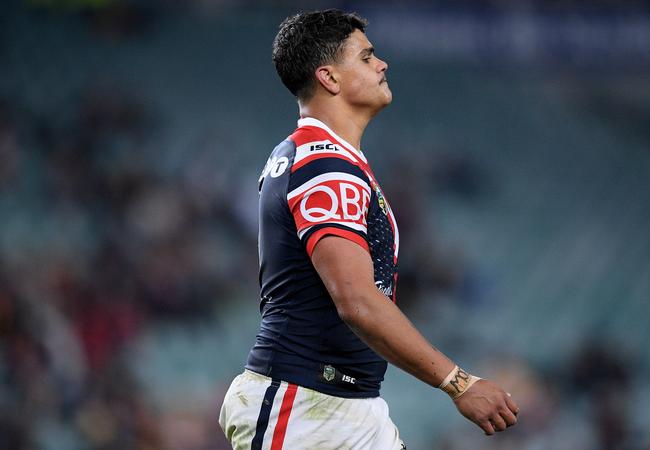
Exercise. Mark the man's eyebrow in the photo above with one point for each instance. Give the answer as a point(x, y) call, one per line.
point(367, 51)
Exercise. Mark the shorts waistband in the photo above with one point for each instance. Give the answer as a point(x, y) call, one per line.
point(256, 376)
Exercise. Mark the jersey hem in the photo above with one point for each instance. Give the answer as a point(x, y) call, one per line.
point(298, 380)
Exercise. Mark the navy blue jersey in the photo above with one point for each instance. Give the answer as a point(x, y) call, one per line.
point(315, 184)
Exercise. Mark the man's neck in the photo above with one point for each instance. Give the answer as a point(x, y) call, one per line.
point(346, 124)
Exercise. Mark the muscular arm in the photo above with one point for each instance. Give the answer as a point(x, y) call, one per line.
point(347, 272)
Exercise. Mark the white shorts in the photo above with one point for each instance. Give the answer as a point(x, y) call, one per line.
point(261, 414)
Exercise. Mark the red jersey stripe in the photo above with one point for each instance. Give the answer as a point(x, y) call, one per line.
point(304, 135)
point(350, 235)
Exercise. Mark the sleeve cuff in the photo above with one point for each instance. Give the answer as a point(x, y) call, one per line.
point(349, 235)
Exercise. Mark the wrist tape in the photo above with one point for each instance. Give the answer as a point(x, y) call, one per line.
point(457, 382)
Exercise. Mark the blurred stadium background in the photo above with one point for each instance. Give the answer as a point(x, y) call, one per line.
point(516, 154)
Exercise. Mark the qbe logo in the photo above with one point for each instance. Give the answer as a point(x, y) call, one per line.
point(335, 202)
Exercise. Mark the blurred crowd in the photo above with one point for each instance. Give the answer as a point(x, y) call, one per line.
point(95, 246)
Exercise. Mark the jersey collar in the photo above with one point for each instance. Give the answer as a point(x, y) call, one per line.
point(310, 121)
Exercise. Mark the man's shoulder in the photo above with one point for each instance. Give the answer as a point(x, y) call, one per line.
point(278, 161)
point(313, 144)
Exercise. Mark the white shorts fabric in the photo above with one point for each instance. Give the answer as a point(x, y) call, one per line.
point(259, 413)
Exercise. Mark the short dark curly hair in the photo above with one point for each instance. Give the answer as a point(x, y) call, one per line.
point(308, 40)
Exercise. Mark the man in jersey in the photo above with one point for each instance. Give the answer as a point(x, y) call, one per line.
point(328, 247)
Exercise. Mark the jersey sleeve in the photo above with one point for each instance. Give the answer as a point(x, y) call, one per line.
point(329, 194)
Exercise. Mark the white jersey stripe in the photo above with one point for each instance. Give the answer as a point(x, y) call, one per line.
point(305, 151)
point(353, 225)
point(302, 232)
point(390, 211)
point(330, 176)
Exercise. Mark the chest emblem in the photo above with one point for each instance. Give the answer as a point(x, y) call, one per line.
point(380, 198)
point(328, 373)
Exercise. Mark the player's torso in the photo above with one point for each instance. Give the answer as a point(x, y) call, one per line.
point(313, 185)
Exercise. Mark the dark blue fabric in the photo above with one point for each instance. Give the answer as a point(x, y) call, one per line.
point(324, 165)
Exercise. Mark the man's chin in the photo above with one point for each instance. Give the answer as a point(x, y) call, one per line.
point(388, 99)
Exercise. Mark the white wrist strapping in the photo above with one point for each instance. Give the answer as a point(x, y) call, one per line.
point(457, 382)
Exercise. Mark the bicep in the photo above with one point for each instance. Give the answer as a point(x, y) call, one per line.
point(346, 270)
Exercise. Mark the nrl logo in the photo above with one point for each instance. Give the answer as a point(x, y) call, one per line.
point(380, 198)
point(328, 373)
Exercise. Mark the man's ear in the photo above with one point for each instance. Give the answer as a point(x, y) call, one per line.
point(328, 78)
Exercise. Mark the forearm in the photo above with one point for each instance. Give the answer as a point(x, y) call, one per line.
point(385, 329)
point(347, 272)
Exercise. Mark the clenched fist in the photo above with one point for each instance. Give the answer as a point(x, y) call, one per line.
point(488, 406)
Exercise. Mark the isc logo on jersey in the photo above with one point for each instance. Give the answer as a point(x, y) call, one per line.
point(323, 146)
